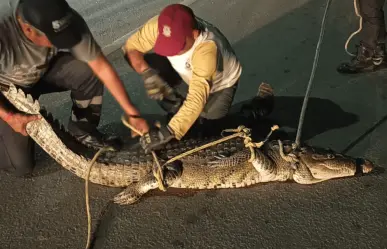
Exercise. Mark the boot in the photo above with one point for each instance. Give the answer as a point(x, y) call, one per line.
point(92, 137)
point(366, 60)
point(261, 105)
point(98, 140)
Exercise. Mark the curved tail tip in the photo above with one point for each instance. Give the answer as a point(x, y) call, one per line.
point(367, 166)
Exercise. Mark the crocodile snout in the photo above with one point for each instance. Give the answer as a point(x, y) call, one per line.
point(367, 166)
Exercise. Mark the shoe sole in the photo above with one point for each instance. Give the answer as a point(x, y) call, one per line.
point(372, 69)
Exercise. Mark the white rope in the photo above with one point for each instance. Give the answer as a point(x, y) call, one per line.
point(305, 103)
point(357, 31)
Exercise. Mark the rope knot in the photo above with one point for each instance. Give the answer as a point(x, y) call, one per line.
point(245, 133)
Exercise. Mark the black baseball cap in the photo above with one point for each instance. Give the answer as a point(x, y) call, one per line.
point(55, 18)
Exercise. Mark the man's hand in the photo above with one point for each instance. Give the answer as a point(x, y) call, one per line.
point(156, 139)
point(139, 124)
point(155, 86)
point(18, 122)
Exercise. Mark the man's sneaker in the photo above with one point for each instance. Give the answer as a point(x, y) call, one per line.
point(366, 60)
point(98, 140)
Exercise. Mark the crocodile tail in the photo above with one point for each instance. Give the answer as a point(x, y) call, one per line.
point(42, 132)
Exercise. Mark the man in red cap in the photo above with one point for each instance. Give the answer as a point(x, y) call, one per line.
point(193, 74)
point(46, 46)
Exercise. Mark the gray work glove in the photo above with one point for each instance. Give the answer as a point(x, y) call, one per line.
point(155, 86)
point(156, 138)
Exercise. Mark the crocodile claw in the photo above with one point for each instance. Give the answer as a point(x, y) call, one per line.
point(125, 198)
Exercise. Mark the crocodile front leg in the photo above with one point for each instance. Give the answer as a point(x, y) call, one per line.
point(290, 158)
point(303, 175)
point(135, 191)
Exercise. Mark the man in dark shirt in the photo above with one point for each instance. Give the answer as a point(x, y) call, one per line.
point(46, 46)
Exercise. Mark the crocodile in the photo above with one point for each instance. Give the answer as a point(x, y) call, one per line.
point(226, 166)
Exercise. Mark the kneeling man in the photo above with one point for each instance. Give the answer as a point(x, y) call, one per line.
point(193, 72)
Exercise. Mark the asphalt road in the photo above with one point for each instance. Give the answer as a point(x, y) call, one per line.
point(276, 41)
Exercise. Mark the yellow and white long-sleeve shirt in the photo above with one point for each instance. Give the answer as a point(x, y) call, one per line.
point(209, 66)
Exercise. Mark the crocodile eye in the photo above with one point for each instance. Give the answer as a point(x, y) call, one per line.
point(330, 156)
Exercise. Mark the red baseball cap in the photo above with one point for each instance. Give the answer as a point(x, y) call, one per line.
point(175, 23)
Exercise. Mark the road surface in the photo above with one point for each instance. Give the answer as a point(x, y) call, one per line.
point(276, 41)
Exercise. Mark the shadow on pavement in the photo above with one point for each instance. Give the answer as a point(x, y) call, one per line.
point(321, 116)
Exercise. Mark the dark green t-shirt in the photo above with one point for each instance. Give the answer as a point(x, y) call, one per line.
point(24, 63)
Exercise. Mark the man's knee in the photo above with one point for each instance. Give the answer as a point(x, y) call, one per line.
point(215, 113)
point(219, 104)
point(17, 160)
point(87, 84)
point(68, 73)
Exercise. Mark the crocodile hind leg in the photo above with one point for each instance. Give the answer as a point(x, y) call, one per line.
point(135, 191)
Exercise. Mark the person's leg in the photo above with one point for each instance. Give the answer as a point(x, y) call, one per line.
point(373, 22)
point(219, 103)
point(371, 50)
point(17, 152)
point(67, 73)
point(216, 110)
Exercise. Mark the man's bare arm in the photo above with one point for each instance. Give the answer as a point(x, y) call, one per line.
point(142, 41)
point(136, 61)
point(103, 69)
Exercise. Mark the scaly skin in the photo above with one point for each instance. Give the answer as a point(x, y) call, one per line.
point(273, 162)
point(312, 166)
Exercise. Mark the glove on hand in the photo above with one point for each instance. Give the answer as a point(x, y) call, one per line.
point(155, 86)
point(156, 139)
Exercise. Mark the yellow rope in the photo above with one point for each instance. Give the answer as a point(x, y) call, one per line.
point(357, 31)
point(87, 191)
point(159, 173)
point(241, 131)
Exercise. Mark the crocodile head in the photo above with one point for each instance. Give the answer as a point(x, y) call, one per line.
point(325, 164)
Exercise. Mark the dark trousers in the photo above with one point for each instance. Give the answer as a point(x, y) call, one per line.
point(65, 73)
point(374, 29)
point(218, 103)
